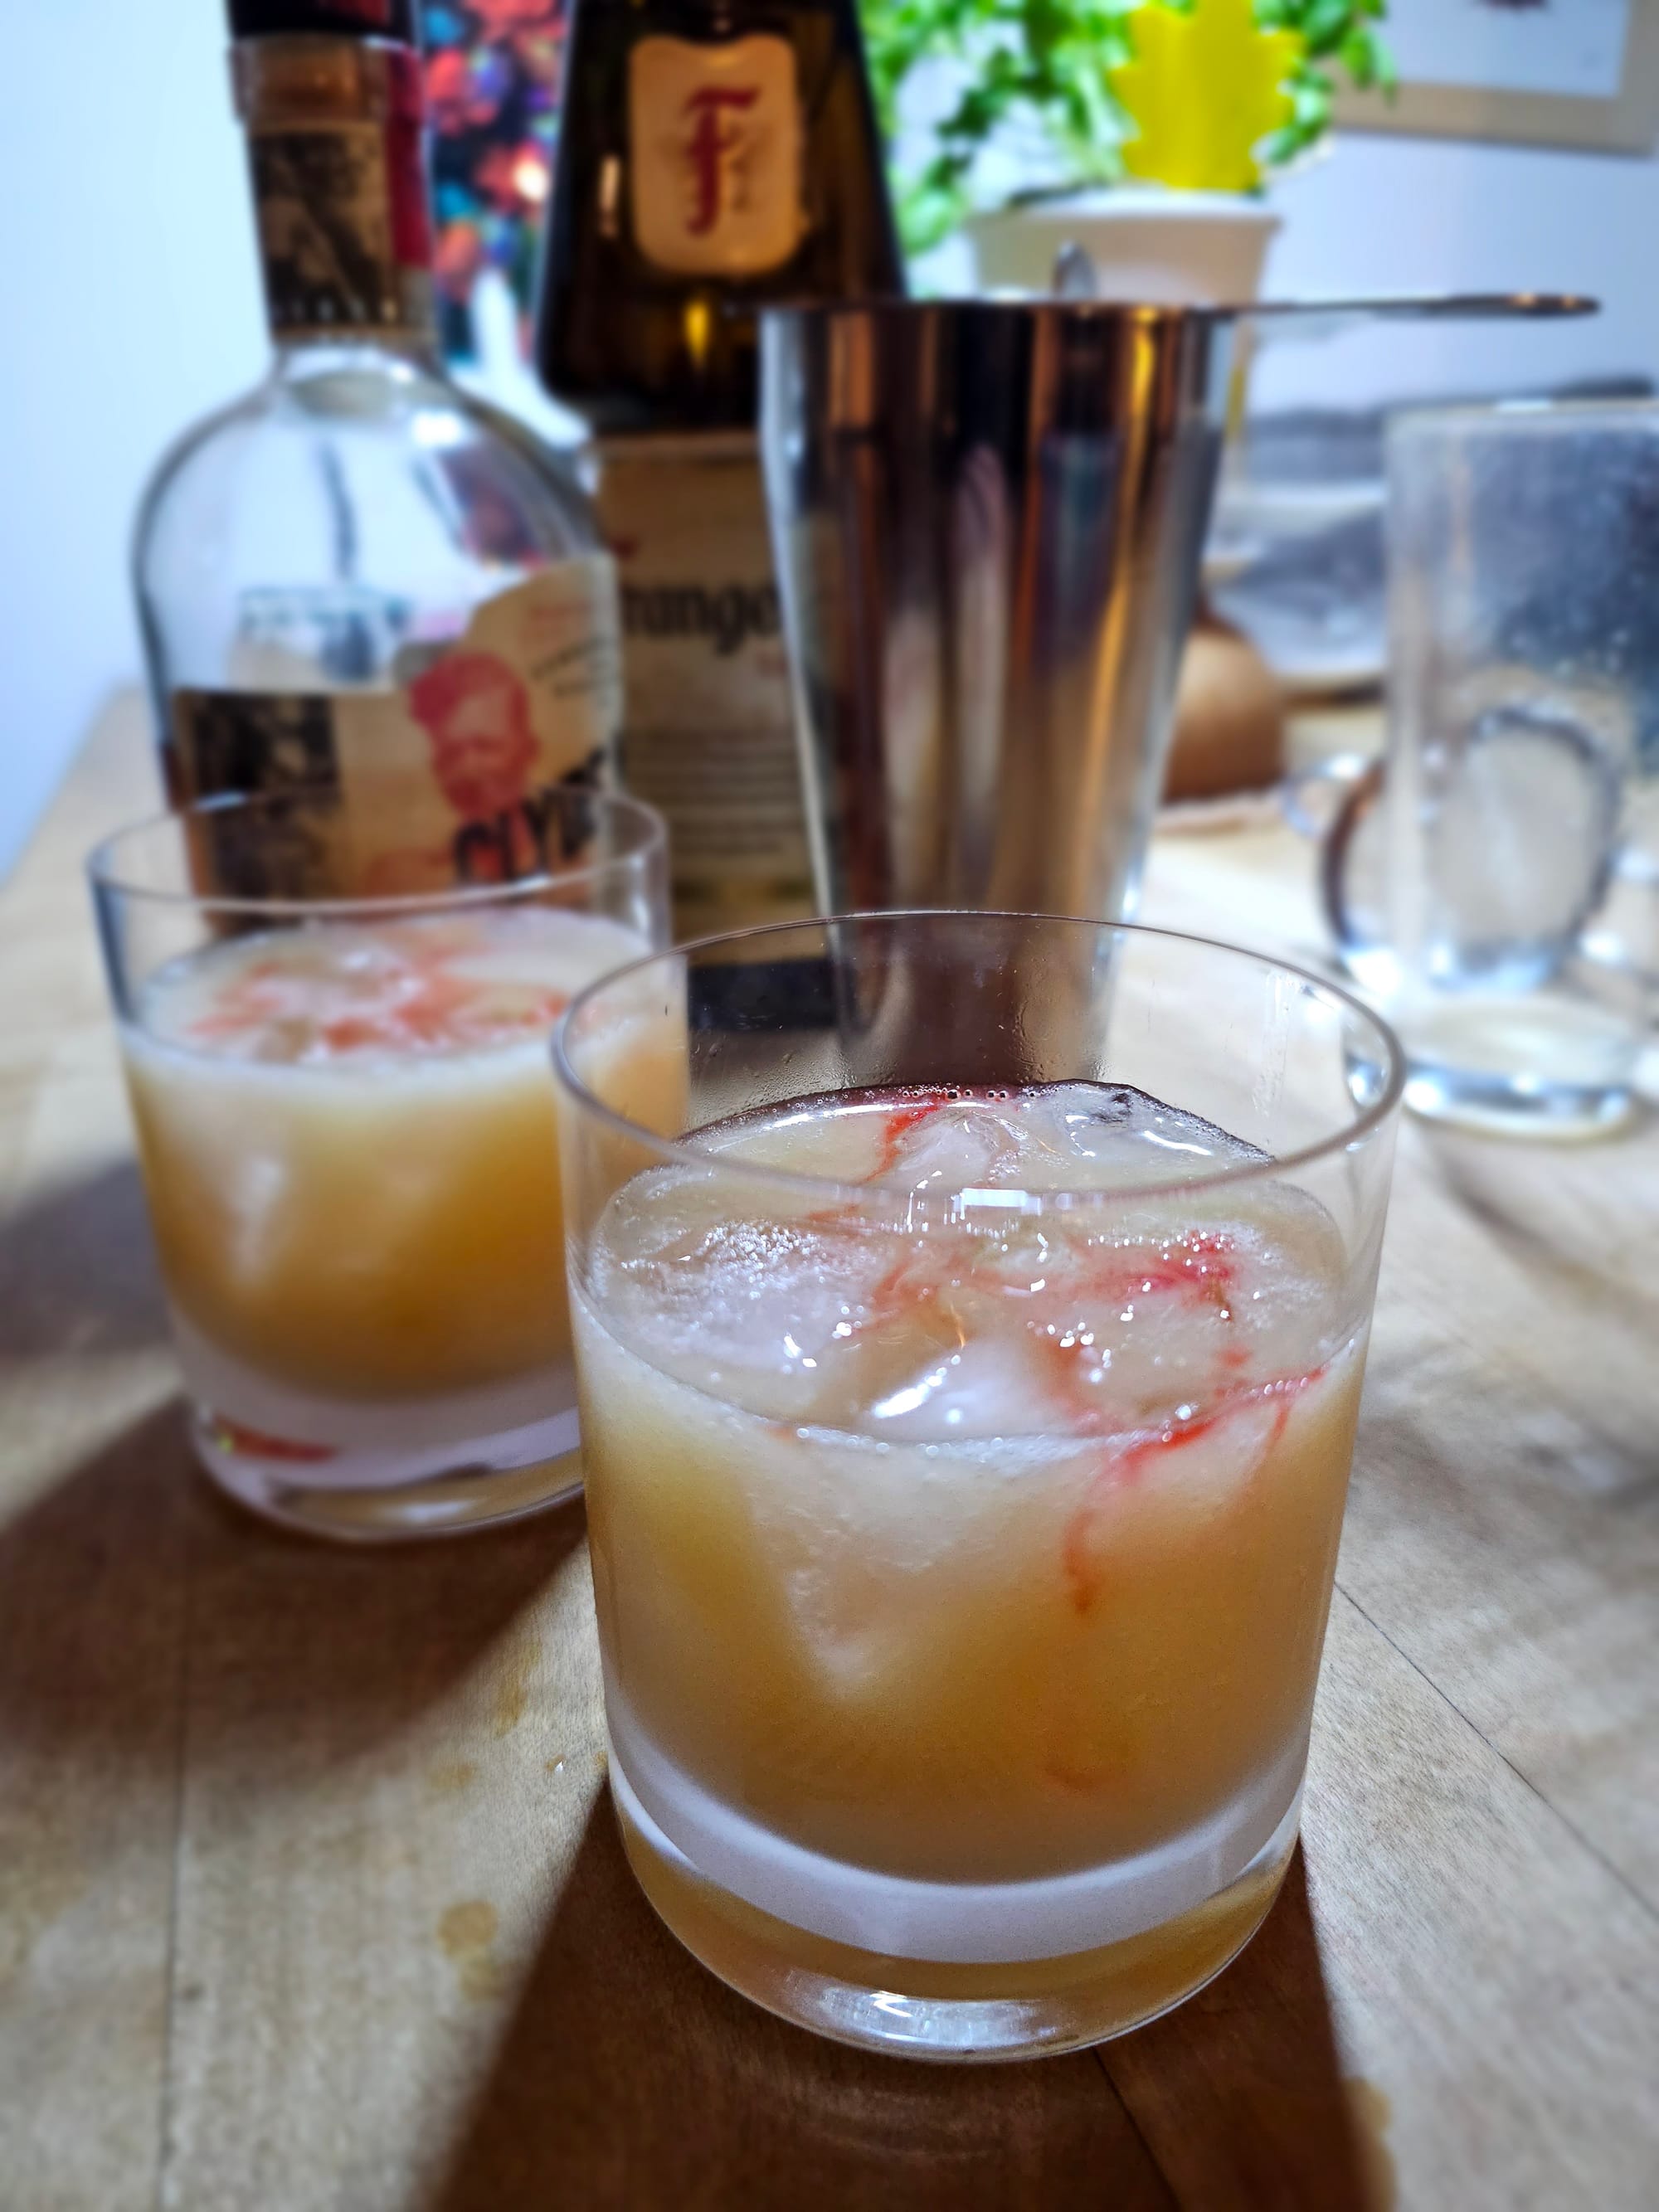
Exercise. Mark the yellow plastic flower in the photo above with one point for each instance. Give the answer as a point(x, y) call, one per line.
point(1205, 89)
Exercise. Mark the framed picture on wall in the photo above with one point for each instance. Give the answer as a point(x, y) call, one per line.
point(1535, 72)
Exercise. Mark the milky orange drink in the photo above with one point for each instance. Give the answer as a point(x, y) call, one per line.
point(962, 1562)
point(349, 1141)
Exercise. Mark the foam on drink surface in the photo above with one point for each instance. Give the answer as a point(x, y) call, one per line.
point(350, 1143)
point(376, 994)
point(949, 1311)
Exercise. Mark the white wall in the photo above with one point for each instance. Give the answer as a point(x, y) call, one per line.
point(1395, 214)
point(132, 305)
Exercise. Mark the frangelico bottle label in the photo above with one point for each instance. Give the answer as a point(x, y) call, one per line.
point(707, 728)
point(713, 154)
point(716, 188)
point(445, 776)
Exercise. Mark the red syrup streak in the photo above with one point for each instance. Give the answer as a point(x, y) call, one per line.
point(1084, 1574)
point(431, 1013)
point(240, 1438)
point(1195, 1271)
point(901, 1119)
point(897, 1125)
point(1193, 1275)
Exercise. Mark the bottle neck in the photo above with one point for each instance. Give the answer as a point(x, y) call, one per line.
point(337, 153)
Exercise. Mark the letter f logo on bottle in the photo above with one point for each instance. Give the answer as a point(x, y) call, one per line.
point(714, 148)
point(716, 133)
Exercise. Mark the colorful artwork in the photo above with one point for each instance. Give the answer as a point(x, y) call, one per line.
point(1574, 48)
point(1532, 72)
point(492, 78)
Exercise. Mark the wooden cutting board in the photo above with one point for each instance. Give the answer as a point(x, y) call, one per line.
point(309, 1891)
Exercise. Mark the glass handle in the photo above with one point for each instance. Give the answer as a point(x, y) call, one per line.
point(1353, 784)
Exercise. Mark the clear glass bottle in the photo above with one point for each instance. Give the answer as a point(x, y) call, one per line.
point(360, 573)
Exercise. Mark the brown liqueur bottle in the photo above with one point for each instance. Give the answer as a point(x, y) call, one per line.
point(359, 575)
point(711, 157)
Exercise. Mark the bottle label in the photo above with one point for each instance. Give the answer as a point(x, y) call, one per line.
point(715, 137)
point(707, 728)
point(344, 231)
point(446, 778)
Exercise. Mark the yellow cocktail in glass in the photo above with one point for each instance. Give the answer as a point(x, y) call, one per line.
point(965, 1470)
point(347, 1125)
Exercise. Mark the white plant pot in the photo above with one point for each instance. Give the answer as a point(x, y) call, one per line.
point(1164, 248)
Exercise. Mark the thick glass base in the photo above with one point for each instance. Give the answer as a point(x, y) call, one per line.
point(1535, 1066)
point(483, 1485)
point(1518, 1109)
point(927, 2009)
point(388, 1498)
point(378, 1470)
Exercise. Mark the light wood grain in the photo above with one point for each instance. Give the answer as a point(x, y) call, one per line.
point(92, 1590)
point(310, 1897)
point(1492, 1978)
point(1502, 1528)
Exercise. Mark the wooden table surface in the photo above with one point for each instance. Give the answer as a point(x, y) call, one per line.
point(310, 1895)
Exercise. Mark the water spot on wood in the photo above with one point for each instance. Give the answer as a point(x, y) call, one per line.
point(483, 1977)
point(512, 1690)
point(469, 1926)
point(467, 1933)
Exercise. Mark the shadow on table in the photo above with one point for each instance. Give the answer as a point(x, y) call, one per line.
point(1239, 2093)
point(110, 1569)
point(91, 1526)
point(130, 1590)
point(629, 2077)
point(77, 1271)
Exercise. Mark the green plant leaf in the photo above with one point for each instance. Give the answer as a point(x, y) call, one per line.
point(1043, 64)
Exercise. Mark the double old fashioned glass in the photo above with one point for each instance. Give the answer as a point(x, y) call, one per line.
point(347, 1129)
point(970, 1314)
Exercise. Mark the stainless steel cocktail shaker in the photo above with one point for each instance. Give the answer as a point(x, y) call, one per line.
point(987, 518)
